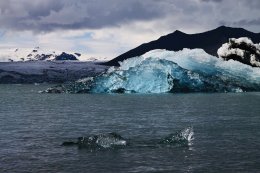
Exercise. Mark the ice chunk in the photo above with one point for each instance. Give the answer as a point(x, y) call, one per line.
point(161, 71)
point(184, 137)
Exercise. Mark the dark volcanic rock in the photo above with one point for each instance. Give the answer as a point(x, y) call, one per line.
point(210, 41)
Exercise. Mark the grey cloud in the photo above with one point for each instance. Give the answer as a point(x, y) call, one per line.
point(211, 0)
point(49, 15)
point(247, 22)
point(33, 9)
point(46, 15)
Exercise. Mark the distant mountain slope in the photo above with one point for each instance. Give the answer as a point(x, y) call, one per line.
point(210, 41)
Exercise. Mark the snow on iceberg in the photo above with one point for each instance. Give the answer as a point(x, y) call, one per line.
point(161, 71)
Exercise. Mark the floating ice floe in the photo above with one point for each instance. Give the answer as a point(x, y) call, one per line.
point(182, 138)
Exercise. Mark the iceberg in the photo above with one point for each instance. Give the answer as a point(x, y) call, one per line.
point(162, 71)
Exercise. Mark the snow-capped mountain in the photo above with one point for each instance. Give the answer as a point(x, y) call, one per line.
point(38, 54)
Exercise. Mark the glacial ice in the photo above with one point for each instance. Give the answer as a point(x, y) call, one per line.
point(161, 71)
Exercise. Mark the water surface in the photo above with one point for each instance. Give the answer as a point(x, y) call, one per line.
point(33, 127)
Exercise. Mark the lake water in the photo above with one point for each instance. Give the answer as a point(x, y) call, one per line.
point(33, 126)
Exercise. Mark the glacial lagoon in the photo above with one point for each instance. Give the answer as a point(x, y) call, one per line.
point(33, 127)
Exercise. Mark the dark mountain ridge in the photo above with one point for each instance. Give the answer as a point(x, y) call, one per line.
point(210, 41)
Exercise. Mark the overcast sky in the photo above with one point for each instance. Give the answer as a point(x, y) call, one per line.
point(107, 28)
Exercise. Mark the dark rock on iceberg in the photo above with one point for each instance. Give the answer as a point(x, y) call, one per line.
point(241, 49)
